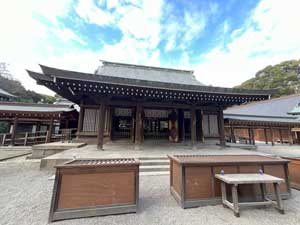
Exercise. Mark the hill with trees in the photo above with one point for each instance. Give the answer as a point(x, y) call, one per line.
point(13, 86)
point(284, 77)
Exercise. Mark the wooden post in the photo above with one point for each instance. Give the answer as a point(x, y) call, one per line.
point(272, 135)
point(291, 140)
point(266, 135)
point(193, 128)
point(25, 138)
point(181, 124)
point(221, 128)
point(14, 131)
point(138, 126)
point(49, 133)
point(253, 136)
point(101, 121)
point(232, 133)
point(249, 136)
point(67, 124)
point(80, 119)
point(280, 136)
point(199, 126)
point(132, 129)
point(3, 140)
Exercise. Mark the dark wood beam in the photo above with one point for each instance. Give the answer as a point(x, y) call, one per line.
point(100, 134)
point(193, 128)
point(221, 128)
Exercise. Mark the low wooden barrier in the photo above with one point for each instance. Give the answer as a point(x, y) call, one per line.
point(294, 169)
point(193, 183)
point(85, 188)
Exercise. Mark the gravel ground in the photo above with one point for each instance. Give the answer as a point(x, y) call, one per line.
point(26, 191)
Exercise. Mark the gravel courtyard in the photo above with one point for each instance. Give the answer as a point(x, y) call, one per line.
point(26, 192)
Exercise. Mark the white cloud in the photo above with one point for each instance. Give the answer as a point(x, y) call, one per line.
point(91, 13)
point(66, 34)
point(268, 37)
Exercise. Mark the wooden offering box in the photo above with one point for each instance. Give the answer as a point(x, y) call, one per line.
point(294, 169)
point(192, 181)
point(86, 188)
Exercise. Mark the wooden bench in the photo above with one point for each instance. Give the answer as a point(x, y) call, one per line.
point(249, 178)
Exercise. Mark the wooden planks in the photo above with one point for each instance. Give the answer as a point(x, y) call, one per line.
point(85, 188)
point(197, 185)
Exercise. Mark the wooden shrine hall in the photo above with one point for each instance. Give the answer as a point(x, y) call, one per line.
point(271, 121)
point(142, 102)
point(36, 123)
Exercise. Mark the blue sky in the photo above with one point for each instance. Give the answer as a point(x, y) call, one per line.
point(224, 41)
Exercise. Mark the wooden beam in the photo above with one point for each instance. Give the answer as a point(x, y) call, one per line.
point(266, 135)
point(138, 126)
point(81, 116)
point(100, 134)
point(221, 128)
point(253, 135)
point(193, 128)
point(280, 136)
point(290, 133)
point(272, 135)
point(49, 132)
point(14, 131)
point(232, 133)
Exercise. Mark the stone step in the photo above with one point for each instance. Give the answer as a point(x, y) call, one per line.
point(158, 173)
point(155, 168)
point(154, 162)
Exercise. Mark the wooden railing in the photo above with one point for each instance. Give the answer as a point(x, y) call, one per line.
point(40, 137)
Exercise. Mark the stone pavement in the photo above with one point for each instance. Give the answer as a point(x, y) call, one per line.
point(7, 153)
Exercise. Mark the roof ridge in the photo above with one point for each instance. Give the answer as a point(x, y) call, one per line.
point(145, 67)
point(35, 104)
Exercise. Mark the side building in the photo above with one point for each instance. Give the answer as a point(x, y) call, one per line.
point(134, 102)
point(5, 96)
point(34, 122)
point(272, 121)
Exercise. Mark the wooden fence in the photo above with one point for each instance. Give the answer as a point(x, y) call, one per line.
point(40, 137)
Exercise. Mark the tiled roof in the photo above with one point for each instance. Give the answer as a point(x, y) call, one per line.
point(6, 94)
point(147, 73)
point(273, 110)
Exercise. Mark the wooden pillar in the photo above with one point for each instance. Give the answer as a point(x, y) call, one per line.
point(132, 129)
point(291, 139)
point(138, 127)
point(266, 135)
point(199, 131)
point(193, 128)
point(109, 122)
point(67, 124)
point(253, 136)
point(14, 131)
point(249, 135)
point(80, 120)
point(49, 132)
point(280, 136)
point(181, 124)
point(221, 128)
point(101, 123)
point(272, 135)
point(232, 133)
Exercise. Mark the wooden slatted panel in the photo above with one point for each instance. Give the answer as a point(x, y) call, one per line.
point(213, 124)
point(90, 120)
point(94, 189)
point(277, 171)
point(198, 183)
point(294, 169)
point(176, 177)
point(205, 126)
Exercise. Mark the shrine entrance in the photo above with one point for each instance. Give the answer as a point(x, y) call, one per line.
point(156, 124)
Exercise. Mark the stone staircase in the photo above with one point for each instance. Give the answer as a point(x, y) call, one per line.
point(154, 166)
